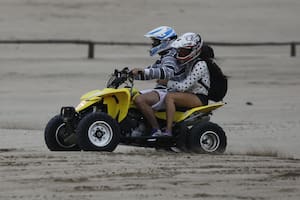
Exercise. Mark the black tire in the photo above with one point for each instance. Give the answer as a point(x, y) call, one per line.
point(98, 132)
point(55, 136)
point(208, 138)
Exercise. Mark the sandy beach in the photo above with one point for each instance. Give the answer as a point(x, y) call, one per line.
point(261, 118)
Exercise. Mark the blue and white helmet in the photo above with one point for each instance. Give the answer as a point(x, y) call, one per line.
point(162, 37)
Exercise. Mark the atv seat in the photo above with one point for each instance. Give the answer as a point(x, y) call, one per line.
point(178, 109)
point(182, 115)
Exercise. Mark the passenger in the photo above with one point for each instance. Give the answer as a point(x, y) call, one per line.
point(190, 92)
point(164, 68)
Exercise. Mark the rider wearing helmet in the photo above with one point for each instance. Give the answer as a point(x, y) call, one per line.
point(189, 47)
point(161, 39)
point(164, 68)
point(189, 92)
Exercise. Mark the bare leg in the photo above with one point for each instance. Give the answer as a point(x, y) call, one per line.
point(144, 102)
point(179, 99)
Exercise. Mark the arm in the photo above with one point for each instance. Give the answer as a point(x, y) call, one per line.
point(162, 69)
point(198, 71)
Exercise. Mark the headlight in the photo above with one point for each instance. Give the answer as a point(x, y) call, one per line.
point(81, 104)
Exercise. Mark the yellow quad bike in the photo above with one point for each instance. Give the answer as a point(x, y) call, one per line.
point(106, 118)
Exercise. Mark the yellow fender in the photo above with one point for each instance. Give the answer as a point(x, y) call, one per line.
point(117, 101)
point(88, 99)
point(180, 116)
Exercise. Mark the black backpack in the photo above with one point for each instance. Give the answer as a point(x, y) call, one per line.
point(207, 52)
point(218, 81)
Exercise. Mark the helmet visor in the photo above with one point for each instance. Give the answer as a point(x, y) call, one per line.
point(184, 52)
point(155, 42)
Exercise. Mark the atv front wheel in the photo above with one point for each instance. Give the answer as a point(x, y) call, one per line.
point(57, 138)
point(98, 132)
point(207, 137)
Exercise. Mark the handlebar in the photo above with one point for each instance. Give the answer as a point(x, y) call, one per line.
point(119, 77)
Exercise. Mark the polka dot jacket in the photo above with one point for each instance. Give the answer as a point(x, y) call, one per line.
point(190, 83)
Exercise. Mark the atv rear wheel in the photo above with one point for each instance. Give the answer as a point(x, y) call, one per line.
point(56, 137)
point(207, 137)
point(98, 132)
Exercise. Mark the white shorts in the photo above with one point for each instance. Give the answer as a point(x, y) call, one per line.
point(160, 105)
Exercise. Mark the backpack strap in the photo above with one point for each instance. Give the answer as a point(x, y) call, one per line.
point(200, 81)
point(203, 84)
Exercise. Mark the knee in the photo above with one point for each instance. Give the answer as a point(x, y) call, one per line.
point(139, 100)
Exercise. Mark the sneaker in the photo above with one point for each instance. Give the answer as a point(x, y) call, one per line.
point(156, 133)
point(167, 133)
